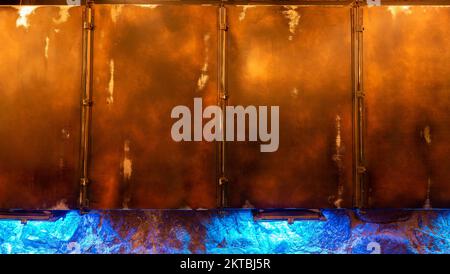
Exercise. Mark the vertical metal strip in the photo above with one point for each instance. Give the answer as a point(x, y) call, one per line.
point(358, 105)
point(86, 102)
point(222, 199)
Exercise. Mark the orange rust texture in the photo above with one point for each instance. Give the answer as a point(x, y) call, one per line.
point(309, 77)
point(158, 54)
point(407, 84)
point(39, 108)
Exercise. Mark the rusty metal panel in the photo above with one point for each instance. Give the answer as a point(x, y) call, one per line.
point(149, 59)
point(407, 84)
point(39, 108)
point(297, 58)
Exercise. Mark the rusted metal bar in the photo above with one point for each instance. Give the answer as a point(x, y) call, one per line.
point(358, 105)
point(289, 215)
point(180, 2)
point(86, 102)
point(33, 215)
point(409, 3)
point(222, 200)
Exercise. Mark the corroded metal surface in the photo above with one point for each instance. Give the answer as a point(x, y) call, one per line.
point(147, 61)
point(39, 108)
point(151, 58)
point(298, 59)
point(407, 84)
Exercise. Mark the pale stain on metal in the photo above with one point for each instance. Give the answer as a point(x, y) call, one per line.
point(63, 15)
point(60, 205)
point(148, 6)
point(338, 136)
point(47, 42)
point(244, 12)
point(24, 12)
point(116, 10)
point(110, 98)
point(203, 79)
point(127, 163)
point(399, 10)
point(292, 15)
point(427, 134)
point(294, 92)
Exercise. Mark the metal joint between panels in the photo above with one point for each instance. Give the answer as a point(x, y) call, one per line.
point(359, 168)
point(222, 187)
point(86, 102)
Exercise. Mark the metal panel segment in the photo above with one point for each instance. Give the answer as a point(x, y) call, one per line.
point(40, 76)
point(149, 59)
point(297, 58)
point(407, 83)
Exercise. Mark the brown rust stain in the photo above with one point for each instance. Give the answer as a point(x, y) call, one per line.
point(306, 71)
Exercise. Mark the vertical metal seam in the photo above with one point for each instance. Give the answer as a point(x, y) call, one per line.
point(359, 168)
point(86, 102)
point(222, 93)
point(361, 103)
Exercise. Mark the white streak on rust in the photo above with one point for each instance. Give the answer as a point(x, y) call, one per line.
point(24, 12)
point(338, 135)
point(127, 164)
point(203, 79)
point(244, 12)
point(47, 42)
point(338, 160)
point(394, 10)
point(294, 18)
point(110, 98)
point(148, 6)
point(201, 83)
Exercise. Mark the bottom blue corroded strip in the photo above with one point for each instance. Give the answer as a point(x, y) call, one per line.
point(230, 232)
